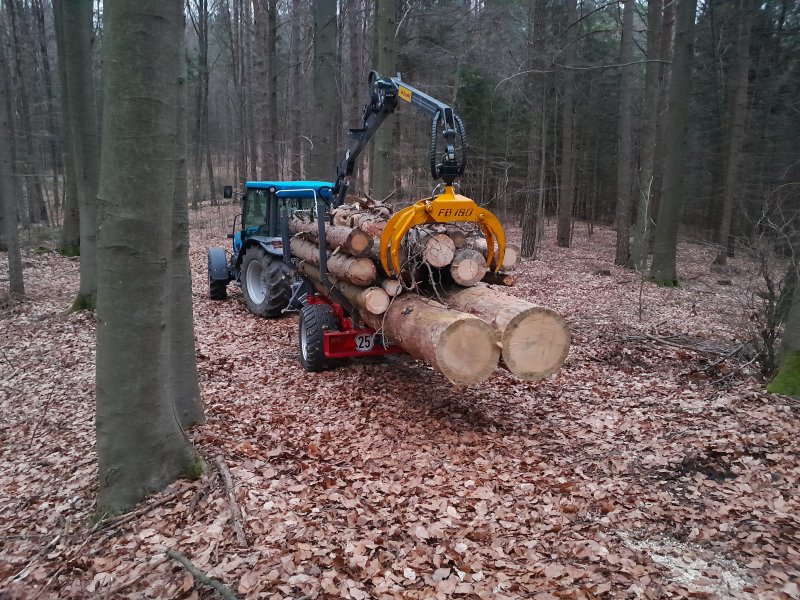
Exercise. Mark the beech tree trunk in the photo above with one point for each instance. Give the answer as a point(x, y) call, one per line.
point(642, 227)
point(567, 200)
point(324, 118)
point(461, 347)
point(70, 241)
point(738, 118)
point(382, 172)
point(535, 339)
point(358, 271)
point(141, 447)
point(8, 202)
point(623, 209)
point(78, 40)
point(182, 357)
point(666, 241)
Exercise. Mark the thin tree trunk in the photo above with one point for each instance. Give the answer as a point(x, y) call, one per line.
point(666, 240)
point(624, 175)
point(272, 82)
point(324, 119)
point(296, 85)
point(47, 76)
point(141, 447)
point(70, 241)
point(8, 203)
point(641, 229)
point(738, 118)
point(78, 40)
point(537, 85)
point(37, 210)
point(382, 169)
point(568, 130)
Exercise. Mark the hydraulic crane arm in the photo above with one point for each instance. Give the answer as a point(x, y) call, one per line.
point(384, 93)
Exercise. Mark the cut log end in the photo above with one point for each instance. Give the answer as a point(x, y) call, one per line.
point(375, 300)
point(439, 250)
point(535, 343)
point(393, 287)
point(468, 267)
point(467, 352)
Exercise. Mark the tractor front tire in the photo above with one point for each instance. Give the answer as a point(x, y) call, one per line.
point(315, 320)
point(266, 289)
point(217, 289)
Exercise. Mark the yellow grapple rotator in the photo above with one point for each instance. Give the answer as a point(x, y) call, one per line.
point(447, 207)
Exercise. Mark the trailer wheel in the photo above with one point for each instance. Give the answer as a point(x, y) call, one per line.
point(315, 320)
point(266, 289)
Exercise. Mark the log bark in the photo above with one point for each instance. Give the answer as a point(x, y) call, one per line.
point(535, 339)
point(373, 300)
point(468, 267)
point(461, 347)
point(358, 271)
point(350, 241)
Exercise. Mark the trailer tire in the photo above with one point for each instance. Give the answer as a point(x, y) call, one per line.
point(266, 290)
point(315, 320)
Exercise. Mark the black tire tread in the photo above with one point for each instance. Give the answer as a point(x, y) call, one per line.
point(218, 289)
point(317, 319)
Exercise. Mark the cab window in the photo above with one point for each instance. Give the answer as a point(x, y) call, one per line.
point(256, 215)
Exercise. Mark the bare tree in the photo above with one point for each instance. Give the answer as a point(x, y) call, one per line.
point(141, 447)
point(567, 196)
point(623, 210)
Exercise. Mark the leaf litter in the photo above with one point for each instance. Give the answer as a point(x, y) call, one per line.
point(633, 472)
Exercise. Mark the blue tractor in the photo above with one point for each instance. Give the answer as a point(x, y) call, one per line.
point(257, 262)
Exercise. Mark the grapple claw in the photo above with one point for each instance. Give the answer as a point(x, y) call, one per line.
point(445, 208)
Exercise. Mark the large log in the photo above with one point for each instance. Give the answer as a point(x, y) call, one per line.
point(461, 347)
point(354, 242)
point(358, 271)
point(535, 339)
point(436, 249)
point(373, 300)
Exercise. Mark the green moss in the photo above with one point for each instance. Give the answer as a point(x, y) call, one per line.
point(787, 381)
point(42, 250)
point(673, 283)
point(69, 250)
point(195, 468)
point(83, 302)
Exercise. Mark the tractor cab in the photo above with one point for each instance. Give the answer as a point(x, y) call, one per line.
point(261, 208)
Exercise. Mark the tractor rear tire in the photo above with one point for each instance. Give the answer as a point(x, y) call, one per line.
point(315, 320)
point(266, 289)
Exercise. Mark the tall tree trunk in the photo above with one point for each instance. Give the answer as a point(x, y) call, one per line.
point(382, 171)
point(647, 153)
point(666, 240)
point(8, 202)
point(324, 121)
point(296, 85)
point(662, 125)
point(567, 200)
point(261, 89)
point(738, 118)
point(38, 9)
point(78, 40)
point(623, 208)
point(141, 447)
point(533, 215)
point(272, 80)
point(185, 388)
point(37, 210)
point(70, 241)
point(250, 84)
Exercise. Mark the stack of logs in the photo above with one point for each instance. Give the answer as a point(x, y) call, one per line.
point(444, 308)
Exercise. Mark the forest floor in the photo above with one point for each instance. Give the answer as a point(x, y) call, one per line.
point(651, 465)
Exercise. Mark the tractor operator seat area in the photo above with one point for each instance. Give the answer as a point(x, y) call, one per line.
point(264, 199)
